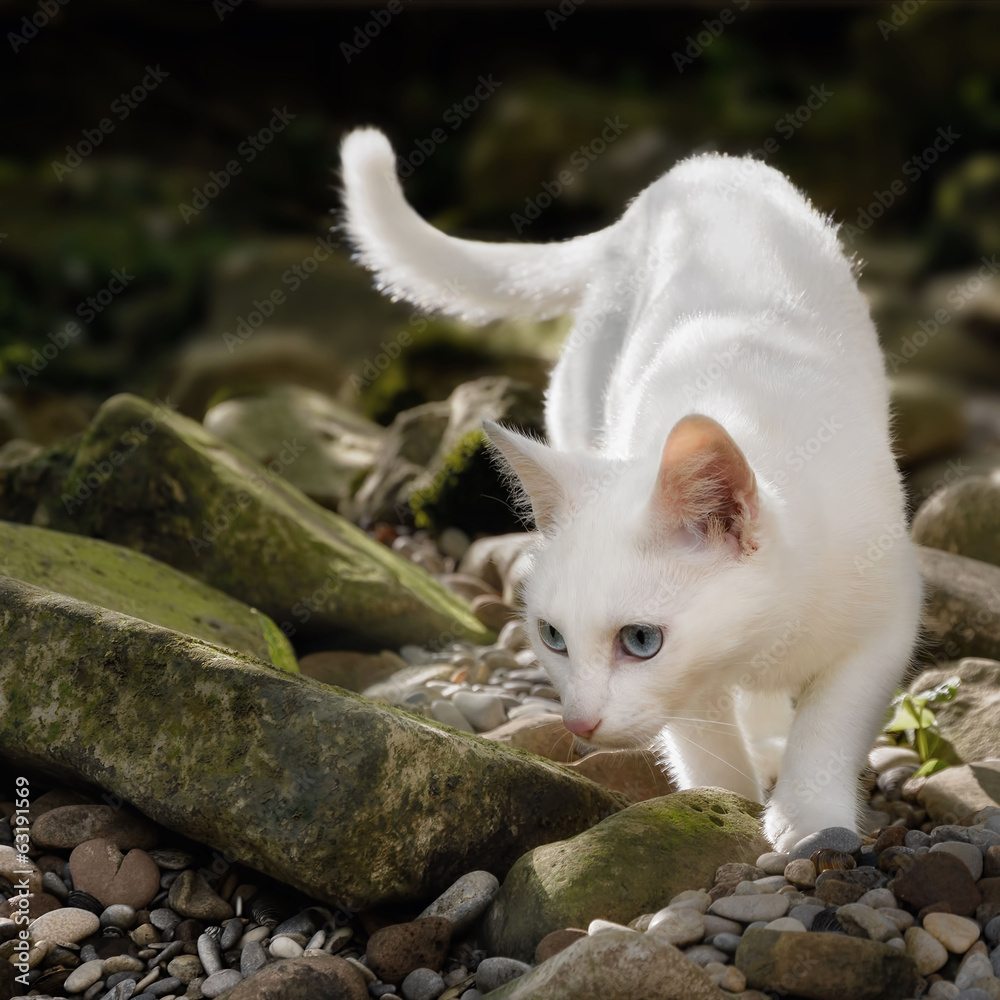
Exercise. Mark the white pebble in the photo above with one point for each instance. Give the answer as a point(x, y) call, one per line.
point(285, 947)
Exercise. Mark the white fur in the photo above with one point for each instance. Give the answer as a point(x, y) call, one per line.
point(720, 292)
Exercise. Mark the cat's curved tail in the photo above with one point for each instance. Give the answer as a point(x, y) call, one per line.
point(470, 279)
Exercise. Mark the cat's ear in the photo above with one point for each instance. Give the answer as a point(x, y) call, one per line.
point(706, 485)
point(532, 463)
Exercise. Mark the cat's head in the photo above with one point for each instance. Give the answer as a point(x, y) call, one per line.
point(650, 578)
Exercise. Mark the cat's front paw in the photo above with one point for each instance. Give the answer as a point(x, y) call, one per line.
point(784, 828)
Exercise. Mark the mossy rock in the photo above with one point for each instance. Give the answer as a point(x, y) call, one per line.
point(632, 863)
point(129, 582)
point(963, 518)
point(350, 801)
point(151, 480)
point(436, 469)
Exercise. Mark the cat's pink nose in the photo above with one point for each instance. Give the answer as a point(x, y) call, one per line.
point(582, 727)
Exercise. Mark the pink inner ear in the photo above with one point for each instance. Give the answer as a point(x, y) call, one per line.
point(705, 483)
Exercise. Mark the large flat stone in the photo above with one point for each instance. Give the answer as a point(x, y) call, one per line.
point(351, 801)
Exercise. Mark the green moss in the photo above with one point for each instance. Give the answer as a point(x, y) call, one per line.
point(133, 584)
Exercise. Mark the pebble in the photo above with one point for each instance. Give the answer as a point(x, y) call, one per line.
point(220, 982)
point(122, 963)
point(937, 877)
point(185, 968)
point(393, 952)
point(99, 868)
point(785, 924)
point(746, 909)
point(464, 902)
point(191, 896)
point(678, 925)
point(926, 951)
point(284, 947)
point(969, 854)
point(805, 913)
point(726, 942)
point(836, 838)
point(801, 872)
point(444, 711)
point(773, 863)
point(495, 972)
point(862, 921)
point(65, 924)
point(957, 934)
point(208, 952)
point(484, 711)
point(422, 984)
point(973, 967)
point(84, 976)
point(704, 954)
point(252, 958)
point(555, 942)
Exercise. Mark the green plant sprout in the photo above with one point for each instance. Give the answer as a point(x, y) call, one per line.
point(911, 723)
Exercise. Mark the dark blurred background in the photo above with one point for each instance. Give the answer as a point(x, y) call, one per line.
point(123, 123)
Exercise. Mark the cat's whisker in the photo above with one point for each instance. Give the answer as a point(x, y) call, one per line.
point(703, 749)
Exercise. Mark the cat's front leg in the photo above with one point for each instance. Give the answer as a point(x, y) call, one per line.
point(707, 748)
point(836, 721)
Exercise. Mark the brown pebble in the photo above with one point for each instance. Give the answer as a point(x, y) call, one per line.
point(38, 903)
point(989, 889)
point(839, 892)
point(189, 930)
point(895, 859)
point(395, 951)
point(826, 859)
point(312, 976)
point(66, 827)
point(937, 877)
point(721, 890)
point(891, 836)
point(555, 942)
point(98, 867)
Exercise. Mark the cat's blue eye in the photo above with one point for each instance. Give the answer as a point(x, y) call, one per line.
point(551, 636)
point(642, 641)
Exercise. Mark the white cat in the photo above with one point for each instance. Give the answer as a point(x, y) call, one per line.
point(721, 530)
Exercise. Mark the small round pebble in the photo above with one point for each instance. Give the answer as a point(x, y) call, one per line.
point(702, 954)
point(423, 984)
point(917, 838)
point(726, 942)
point(801, 873)
point(495, 972)
point(835, 838)
point(219, 982)
point(773, 863)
